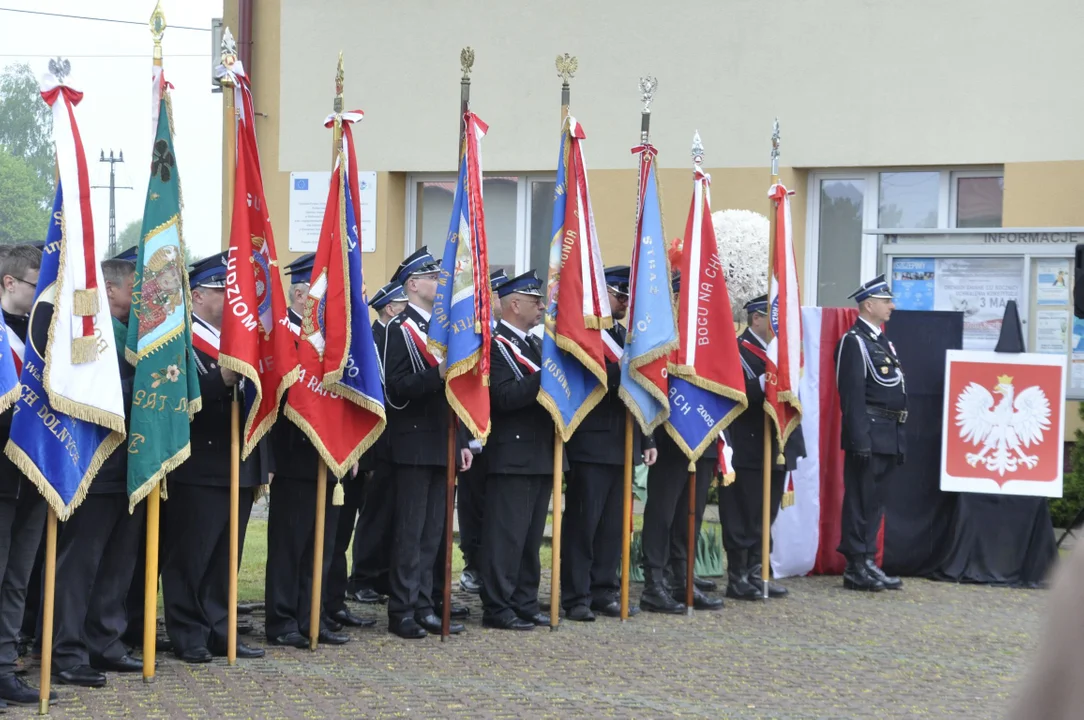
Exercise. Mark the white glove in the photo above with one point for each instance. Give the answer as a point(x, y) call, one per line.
point(761, 379)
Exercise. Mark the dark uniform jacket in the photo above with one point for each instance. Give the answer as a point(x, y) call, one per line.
point(600, 438)
point(295, 455)
point(747, 430)
point(210, 435)
point(521, 439)
point(416, 407)
point(871, 388)
point(11, 477)
point(112, 478)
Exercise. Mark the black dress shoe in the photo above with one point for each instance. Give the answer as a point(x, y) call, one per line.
point(407, 628)
point(656, 599)
point(15, 691)
point(775, 590)
point(243, 651)
point(581, 613)
point(612, 608)
point(857, 577)
point(702, 601)
point(198, 654)
point(470, 582)
point(704, 584)
point(539, 619)
point(345, 617)
point(435, 625)
point(81, 675)
point(369, 597)
point(507, 623)
point(458, 611)
point(124, 664)
point(890, 582)
point(290, 639)
point(332, 625)
point(327, 637)
point(244, 627)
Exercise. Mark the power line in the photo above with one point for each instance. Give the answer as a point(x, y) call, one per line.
point(101, 19)
point(66, 55)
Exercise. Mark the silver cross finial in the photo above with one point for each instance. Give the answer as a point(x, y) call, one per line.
point(698, 149)
point(648, 85)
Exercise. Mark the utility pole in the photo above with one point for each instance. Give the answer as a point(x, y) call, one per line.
point(112, 197)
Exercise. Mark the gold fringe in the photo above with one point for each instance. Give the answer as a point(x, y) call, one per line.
point(728, 479)
point(84, 350)
point(565, 432)
point(463, 367)
point(158, 478)
point(248, 443)
point(648, 425)
point(85, 302)
point(334, 376)
point(338, 497)
point(334, 467)
point(8, 399)
point(788, 499)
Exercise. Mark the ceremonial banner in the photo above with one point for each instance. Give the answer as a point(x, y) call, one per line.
point(338, 401)
point(578, 304)
point(707, 388)
point(159, 344)
point(460, 327)
point(60, 453)
point(256, 339)
point(10, 365)
point(1004, 423)
point(652, 335)
point(783, 369)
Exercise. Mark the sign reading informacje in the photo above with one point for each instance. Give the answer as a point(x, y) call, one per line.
point(308, 195)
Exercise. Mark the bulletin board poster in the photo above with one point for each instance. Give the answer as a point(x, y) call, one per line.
point(978, 287)
point(1052, 282)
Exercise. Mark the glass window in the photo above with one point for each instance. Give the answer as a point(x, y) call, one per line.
point(434, 213)
point(840, 235)
point(979, 201)
point(541, 227)
point(908, 199)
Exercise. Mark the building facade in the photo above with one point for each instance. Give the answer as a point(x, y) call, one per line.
point(934, 141)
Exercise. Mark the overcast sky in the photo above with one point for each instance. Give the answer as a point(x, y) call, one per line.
point(111, 64)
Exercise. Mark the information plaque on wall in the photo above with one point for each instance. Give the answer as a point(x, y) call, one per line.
point(308, 198)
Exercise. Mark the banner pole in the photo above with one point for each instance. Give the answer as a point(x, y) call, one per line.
point(766, 495)
point(626, 520)
point(555, 581)
point(318, 553)
point(690, 560)
point(47, 613)
point(150, 585)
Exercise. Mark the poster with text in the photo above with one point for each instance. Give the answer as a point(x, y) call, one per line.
point(1004, 423)
point(1052, 332)
point(980, 288)
point(1052, 282)
point(912, 283)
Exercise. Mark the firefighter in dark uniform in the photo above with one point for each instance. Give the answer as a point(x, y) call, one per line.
point(520, 464)
point(418, 416)
point(873, 400)
point(592, 523)
point(741, 502)
point(195, 567)
point(471, 497)
point(291, 517)
point(372, 537)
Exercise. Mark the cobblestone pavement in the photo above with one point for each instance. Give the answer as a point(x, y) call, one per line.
point(935, 650)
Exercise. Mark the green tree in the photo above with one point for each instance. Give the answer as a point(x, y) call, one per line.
point(24, 217)
point(26, 123)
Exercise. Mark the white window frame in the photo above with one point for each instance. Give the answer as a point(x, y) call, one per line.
point(871, 202)
point(523, 209)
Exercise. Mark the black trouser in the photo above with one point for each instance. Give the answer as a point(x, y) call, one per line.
point(35, 591)
point(95, 562)
point(335, 581)
point(679, 530)
point(21, 523)
point(741, 507)
point(513, 523)
point(291, 525)
point(470, 505)
point(864, 488)
point(666, 481)
point(195, 569)
point(591, 534)
point(372, 538)
point(418, 530)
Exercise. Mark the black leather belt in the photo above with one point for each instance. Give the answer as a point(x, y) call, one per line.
point(899, 416)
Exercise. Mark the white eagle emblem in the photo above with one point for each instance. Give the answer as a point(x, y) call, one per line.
point(1005, 430)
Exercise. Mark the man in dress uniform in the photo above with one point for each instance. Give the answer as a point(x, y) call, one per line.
point(592, 521)
point(418, 416)
point(22, 508)
point(665, 533)
point(873, 399)
point(471, 499)
point(97, 548)
point(740, 503)
point(291, 518)
point(520, 464)
point(372, 536)
point(195, 569)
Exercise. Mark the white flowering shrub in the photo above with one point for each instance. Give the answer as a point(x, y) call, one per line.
point(742, 238)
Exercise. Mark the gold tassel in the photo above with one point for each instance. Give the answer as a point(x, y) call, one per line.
point(85, 303)
point(477, 327)
point(788, 499)
point(780, 460)
point(728, 479)
point(84, 350)
point(338, 497)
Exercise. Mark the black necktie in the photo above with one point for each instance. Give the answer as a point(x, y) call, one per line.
point(534, 343)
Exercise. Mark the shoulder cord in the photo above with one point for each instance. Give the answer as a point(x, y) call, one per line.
point(508, 358)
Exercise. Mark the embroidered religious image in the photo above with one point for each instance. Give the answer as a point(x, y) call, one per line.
point(163, 289)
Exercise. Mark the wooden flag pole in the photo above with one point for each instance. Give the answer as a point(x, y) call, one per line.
point(690, 550)
point(626, 520)
point(150, 574)
point(316, 605)
point(47, 613)
point(766, 495)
